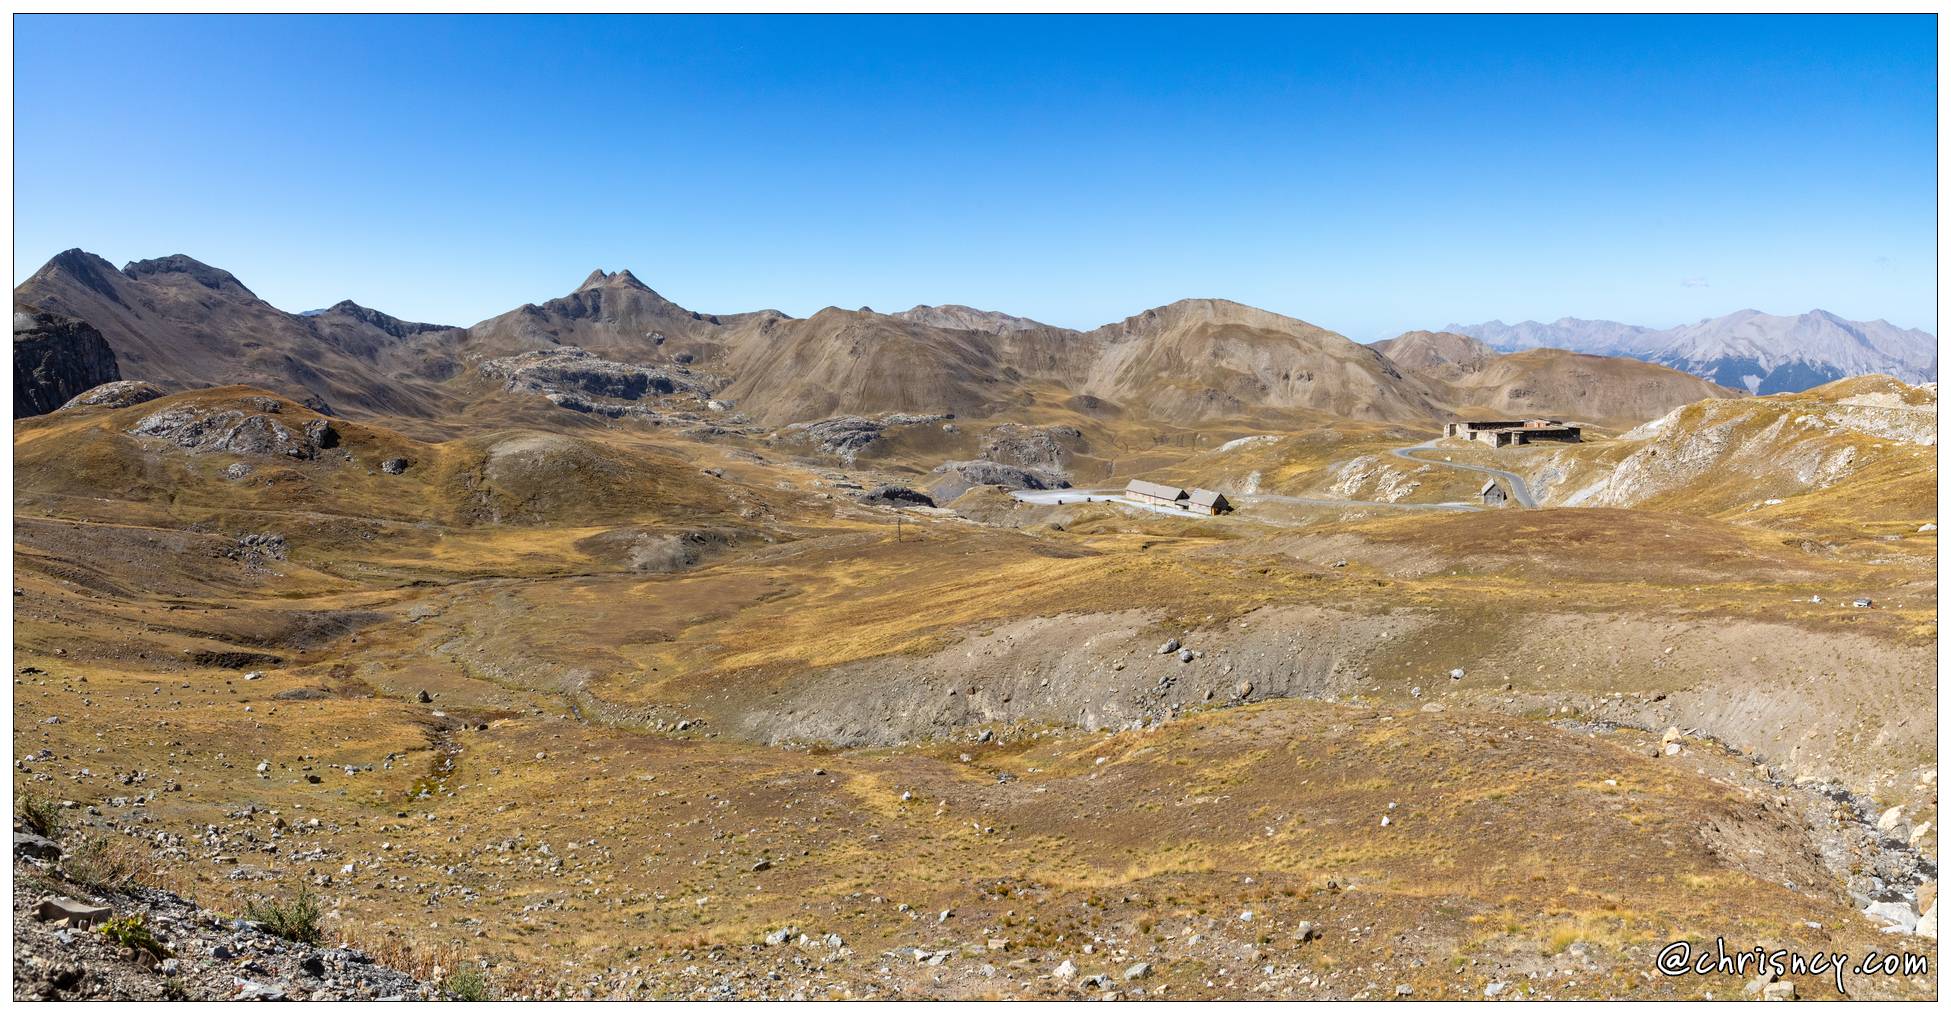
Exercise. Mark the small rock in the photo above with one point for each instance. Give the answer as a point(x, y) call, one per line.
point(1065, 970)
point(1138, 971)
point(393, 466)
point(1171, 645)
point(762, 865)
point(1783, 991)
point(1893, 914)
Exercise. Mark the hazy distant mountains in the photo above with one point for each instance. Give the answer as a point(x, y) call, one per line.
point(1762, 353)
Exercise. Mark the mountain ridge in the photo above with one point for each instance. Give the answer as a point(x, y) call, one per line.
point(181, 323)
point(1748, 349)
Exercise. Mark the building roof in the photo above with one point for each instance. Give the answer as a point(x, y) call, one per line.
point(1159, 490)
point(1489, 485)
point(1206, 498)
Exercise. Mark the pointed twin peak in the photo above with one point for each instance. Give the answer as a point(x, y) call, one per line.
point(599, 279)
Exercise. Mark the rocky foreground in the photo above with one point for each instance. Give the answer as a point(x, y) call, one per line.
point(142, 944)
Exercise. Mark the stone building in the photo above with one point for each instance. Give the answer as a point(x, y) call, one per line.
point(1499, 433)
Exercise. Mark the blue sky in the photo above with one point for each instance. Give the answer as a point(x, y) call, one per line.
point(1366, 174)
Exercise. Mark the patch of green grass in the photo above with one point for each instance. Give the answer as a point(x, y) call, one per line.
point(296, 920)
point(467, 983)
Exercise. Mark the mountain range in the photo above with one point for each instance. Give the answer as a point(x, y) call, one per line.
point(1761, 353)
point(612, 346)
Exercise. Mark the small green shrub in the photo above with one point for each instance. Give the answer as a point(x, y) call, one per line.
point(467, 983)
point(130, 932)
point(41, 815)
point(296, 920)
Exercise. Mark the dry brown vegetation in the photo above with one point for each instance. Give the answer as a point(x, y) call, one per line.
point(670, 711)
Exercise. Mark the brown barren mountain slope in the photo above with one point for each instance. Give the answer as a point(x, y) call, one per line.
point(181, 323)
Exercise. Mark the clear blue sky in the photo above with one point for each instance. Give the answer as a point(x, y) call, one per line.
point(1365, 174)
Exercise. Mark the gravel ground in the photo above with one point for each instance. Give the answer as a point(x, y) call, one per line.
point(211, 957)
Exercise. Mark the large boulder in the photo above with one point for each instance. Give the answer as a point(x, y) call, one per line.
point(55, 359)
point(890, 495)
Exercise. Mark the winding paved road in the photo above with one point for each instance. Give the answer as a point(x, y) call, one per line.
point(1518, 489)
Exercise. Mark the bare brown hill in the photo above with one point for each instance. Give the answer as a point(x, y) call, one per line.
point(1209, 359)
point(1474, 379)
point(1436, 355)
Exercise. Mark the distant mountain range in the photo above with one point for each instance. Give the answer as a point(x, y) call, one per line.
point(179, 323)
point(1762, 353)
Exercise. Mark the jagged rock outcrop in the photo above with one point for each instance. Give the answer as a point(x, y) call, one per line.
point(957, 478)
point(577, 379)
point(56, 358)
point(845, 437)
point(203, 429)
point(116, 395)
point(1032, 447)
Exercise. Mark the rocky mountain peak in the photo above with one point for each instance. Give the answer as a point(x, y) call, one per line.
point(88, 269)
point(600, 279)
point(183, 264)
